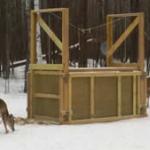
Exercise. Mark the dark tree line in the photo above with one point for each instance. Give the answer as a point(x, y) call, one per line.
point(14, 26)
point(84, 14)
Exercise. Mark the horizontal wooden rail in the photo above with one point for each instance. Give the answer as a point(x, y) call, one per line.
point(122, 68)
point(105, 119)
point(50, 10)
point(56, 73)
point(125, 65)
point(43, 95)
point(46, 66)
point(47, 118)
point(104, 74)
point(124, 15)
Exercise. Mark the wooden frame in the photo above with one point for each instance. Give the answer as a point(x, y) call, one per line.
point(112, 47)
point(62, 45)
point(92, 76)
point(55, 85)
point(66, 88)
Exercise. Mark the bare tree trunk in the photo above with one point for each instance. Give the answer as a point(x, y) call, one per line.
point(8, 31)
point(29, 7)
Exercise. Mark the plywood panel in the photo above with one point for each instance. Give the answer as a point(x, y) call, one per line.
point(127, 95)
point(80, 98)
point(105, 96)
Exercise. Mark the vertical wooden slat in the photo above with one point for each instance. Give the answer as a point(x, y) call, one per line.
point(143, 93)
point(61, 110)
point(119, 96)
point(70, 100)
point(33, 38)
point(109, 38)
point(145, 90)
point(92, 97)
point(31, 94)
point(139, 95)
point(134, 95)
point(141, 42)
point(65, 62)
point(66, 93)
point(65, 39)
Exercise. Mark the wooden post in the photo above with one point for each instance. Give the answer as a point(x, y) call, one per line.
point(119, 96)
point(65, 39)
point(70, 100)
point(92, 97)
point(134, 95)
point(33, 38)
point(61, 109)
point(139, 95)
point(30, 98)
point(66, 93)
point(141, 42)
point(143, 91)
point(109, 38)
point(29, 105)
point(65, 59)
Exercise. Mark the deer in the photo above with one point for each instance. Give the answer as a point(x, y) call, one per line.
point(7, 119)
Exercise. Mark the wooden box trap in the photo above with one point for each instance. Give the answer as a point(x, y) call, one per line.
point(62, 94)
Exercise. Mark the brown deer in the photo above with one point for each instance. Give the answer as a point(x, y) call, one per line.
point(8, 119)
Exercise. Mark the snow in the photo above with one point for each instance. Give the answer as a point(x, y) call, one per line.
point(132, 134)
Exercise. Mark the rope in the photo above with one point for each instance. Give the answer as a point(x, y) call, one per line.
point(83, 30)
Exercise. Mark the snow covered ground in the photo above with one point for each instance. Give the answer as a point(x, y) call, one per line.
point(133, 134)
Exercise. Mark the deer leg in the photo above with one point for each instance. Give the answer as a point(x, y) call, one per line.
point(4, 122)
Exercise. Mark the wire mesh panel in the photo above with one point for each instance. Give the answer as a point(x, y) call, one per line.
point(45, 107)
point(127, 96)
point(48, 84)
point(80, 98)
point(105, 96)
point(45, 95)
